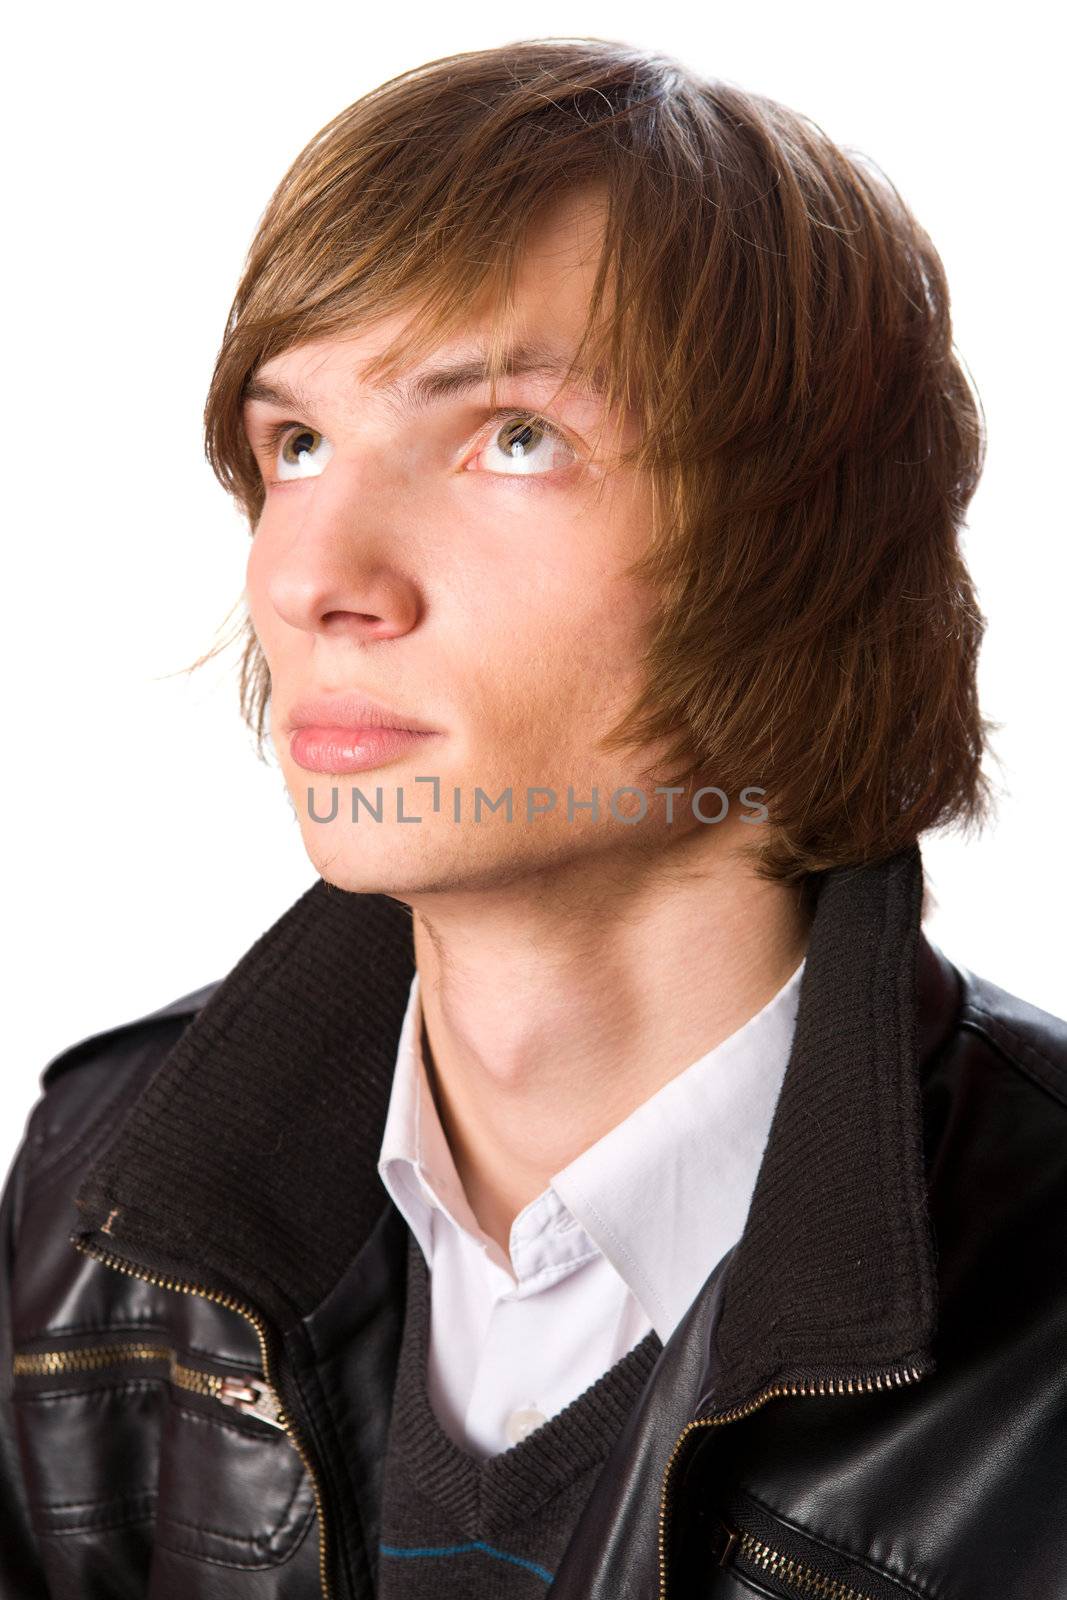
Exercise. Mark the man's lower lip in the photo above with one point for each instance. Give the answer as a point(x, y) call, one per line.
point(351, 749)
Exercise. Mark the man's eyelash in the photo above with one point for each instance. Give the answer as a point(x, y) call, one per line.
point(503, 412)
point(276, 432)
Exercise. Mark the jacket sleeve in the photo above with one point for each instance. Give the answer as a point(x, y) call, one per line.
point(22, 1575)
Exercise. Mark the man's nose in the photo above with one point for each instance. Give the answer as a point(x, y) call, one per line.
point(337, 569)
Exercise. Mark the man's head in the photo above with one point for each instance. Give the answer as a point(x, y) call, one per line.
point(721, 550)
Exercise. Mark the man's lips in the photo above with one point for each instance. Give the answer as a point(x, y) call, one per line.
point(322, 748)
point(349, 731)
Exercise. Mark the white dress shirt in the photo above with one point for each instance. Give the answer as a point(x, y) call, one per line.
point(620, 1241)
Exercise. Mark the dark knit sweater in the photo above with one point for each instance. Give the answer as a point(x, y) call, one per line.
point(454, 1527)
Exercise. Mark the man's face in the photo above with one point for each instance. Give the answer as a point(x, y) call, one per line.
point(463, 569)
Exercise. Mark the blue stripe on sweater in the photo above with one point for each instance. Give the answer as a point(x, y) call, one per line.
point(463, 1549)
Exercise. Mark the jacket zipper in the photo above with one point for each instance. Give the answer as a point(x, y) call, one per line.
point(246, 1392)
point(745, 1549)
point(861, 1383)
point(236, 1391)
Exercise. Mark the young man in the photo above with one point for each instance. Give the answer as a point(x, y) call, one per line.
point(596, 1184)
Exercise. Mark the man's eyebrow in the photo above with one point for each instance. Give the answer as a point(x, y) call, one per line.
point(442, 381)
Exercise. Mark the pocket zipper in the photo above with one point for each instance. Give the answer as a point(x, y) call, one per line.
point(246, 1392)
point(752, 1556)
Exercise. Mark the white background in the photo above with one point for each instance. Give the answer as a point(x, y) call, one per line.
point(145, 846)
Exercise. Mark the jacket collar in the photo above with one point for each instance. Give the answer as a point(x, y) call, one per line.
point(834, 1276)
point(248, 1163)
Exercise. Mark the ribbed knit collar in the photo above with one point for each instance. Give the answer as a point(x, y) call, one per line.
point(249, 1160)
point(835, 1271)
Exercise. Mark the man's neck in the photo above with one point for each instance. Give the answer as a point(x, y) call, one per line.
point(554, 1008)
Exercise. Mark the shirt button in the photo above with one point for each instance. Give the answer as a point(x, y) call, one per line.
point(522, 1422)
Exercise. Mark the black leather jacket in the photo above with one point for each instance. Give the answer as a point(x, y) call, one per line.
point(201, 1306)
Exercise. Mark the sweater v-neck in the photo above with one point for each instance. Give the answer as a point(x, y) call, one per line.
point(486, 1497)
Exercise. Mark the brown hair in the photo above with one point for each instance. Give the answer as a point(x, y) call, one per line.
point(780, 321)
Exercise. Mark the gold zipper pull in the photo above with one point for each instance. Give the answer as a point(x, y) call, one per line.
point(252, 1396)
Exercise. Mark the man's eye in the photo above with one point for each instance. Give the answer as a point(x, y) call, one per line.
point(523, 446)
point(301, 453)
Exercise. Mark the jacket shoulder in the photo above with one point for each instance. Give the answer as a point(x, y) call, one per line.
point(96, 1076)
point(105, 1040)
point(1033, 1041)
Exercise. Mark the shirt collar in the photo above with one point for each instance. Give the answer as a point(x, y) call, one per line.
point(637, 1191)
point(415, 1162)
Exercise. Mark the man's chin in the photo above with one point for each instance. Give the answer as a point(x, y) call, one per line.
point(410, 869)
point(389, 863)
point(361, 866)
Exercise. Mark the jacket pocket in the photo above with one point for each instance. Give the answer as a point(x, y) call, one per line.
point(126, 1433)
point(769, 1556)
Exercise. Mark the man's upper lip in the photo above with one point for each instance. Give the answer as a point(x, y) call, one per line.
point(351, 710)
